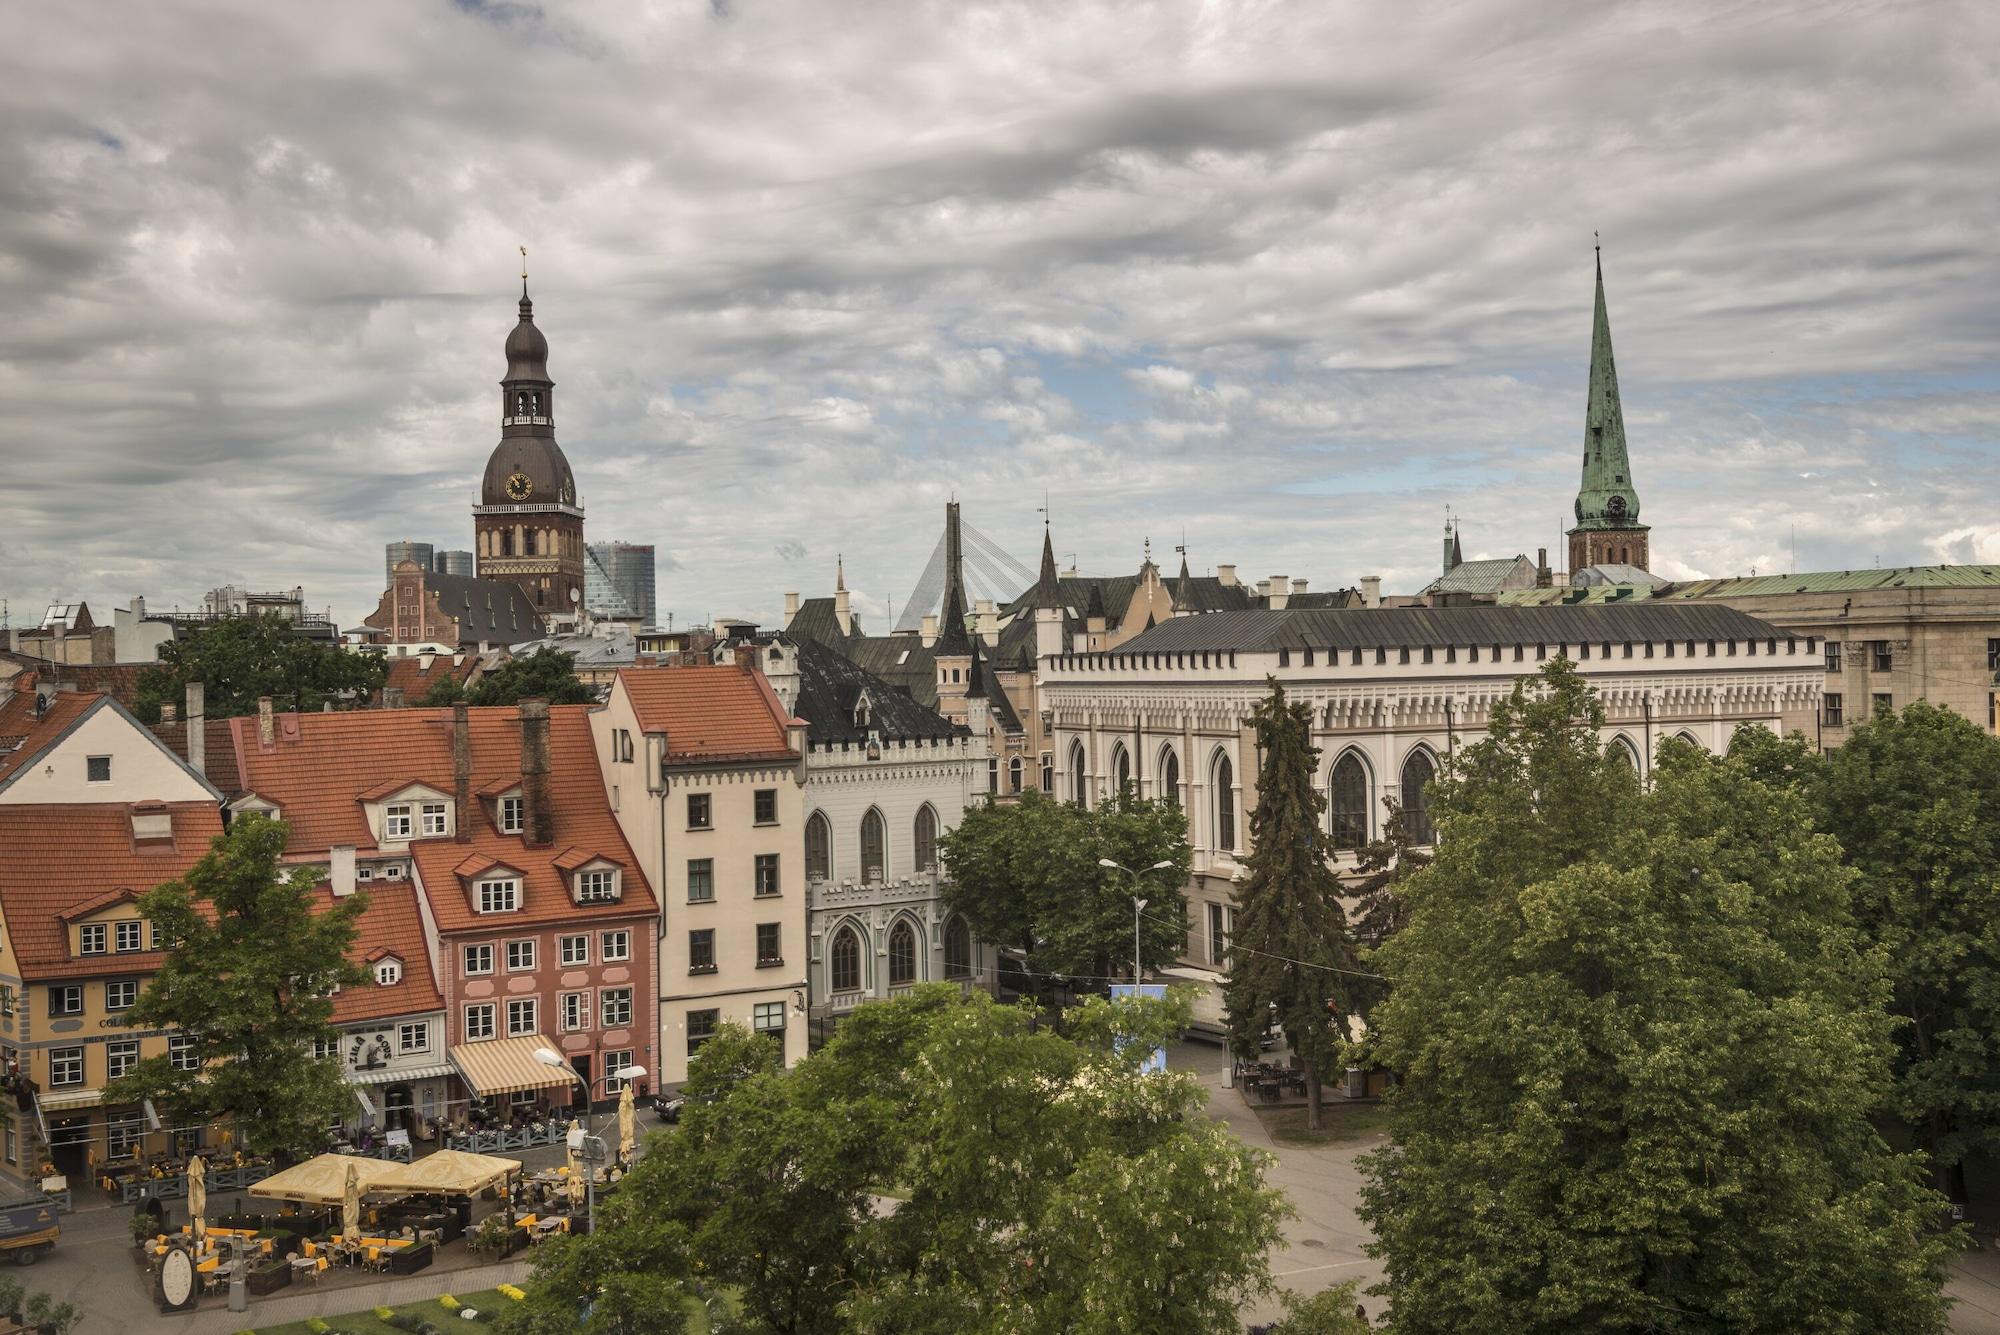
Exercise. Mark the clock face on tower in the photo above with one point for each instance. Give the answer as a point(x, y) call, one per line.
point(520, 487)
point(1616, 506)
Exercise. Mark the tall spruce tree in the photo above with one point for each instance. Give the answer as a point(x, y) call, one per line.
point(1290, 953)
point(1641, 1043)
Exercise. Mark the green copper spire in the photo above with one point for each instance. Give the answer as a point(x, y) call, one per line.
point(1606, 498)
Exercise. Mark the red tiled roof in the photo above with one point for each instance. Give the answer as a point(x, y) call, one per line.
point(408, 674)
point(710, 712)
point(320, 761)
point(64, 709)
point(220, 760)
point(17, 711)
point(390, 925)
point(60, 856)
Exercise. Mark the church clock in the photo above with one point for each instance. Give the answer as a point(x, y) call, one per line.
point(520, 487)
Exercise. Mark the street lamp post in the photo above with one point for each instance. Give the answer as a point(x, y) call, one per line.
point(1138, 905)
point(556, 1061)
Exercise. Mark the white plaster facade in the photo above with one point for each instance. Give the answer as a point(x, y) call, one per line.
point(106, 755)
point(1179, 720)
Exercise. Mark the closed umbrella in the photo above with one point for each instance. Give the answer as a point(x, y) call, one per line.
point(197, 1194)
point(350, 1206)
point(628, 1118)
point(576, 1172)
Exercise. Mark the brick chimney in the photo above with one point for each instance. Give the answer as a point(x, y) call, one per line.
point(267, 725)
point(1544, 577)
point(461, 771)
point(535, 771)
point(1371, 590)
point(197, 727)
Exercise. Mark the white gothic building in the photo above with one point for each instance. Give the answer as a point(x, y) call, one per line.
point(885, 777)
point(1393, 691)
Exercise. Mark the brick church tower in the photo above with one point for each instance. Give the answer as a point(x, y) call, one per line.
point(1608, 531)
point(527, 526)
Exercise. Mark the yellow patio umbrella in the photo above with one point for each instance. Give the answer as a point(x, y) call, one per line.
point(350, 1206)
point(197, 1174)
point(576, 1172)
point(628, 1119)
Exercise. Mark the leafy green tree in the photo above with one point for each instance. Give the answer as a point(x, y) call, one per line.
point(1048, 1184)
point(1641, 1042)
point(1914, 799)
point(242, 658)
point(1328, 1312)
point(549, 673)
point(1290, 955)
point(250, 973)
point(443, 693)
point(1028, 875)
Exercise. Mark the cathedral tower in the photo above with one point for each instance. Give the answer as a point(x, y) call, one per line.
point(527, 526)
point(1608, 531)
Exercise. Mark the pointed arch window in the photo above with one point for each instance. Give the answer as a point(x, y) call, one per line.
point(1623, 751)
point(1078, 780)
point(1225, 803)
point(1347, 802)
point(845, 961)
point(819, 848)
point(1015, 775)
point(902, 955)
point(926, 838)
point(957, 949)
point(1121, 766)
point(1418, 771)
point(872, 864)
point(1170, 775)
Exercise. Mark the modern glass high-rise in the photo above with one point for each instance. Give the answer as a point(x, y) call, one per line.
point(618, 581)
point(397, 552)
point(452, 563)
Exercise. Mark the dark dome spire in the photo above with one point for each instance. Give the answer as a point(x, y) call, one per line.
point(527, 349)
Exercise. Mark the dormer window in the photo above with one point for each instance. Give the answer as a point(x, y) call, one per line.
point(513, 815)
point(434, 820)
point(499, 896)
point(396, 822)
point(92, 938)
point(597, 887)
point(861, 712)
point(126, 935)
point(388, 971)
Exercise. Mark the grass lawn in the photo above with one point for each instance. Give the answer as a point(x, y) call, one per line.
point(1341, 1123)
point(363, 1322)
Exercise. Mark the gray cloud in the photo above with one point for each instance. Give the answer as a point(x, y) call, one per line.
point(1291, 276)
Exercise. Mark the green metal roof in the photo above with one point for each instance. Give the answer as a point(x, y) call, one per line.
point(1764, 586)
point(1606, 499)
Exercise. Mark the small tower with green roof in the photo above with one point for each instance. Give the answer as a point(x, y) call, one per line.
point(1608, 531)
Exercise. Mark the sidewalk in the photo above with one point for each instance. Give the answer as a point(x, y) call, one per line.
point(216, 1320)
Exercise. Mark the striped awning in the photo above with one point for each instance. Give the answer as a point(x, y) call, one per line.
point(394, 1077)
point(505, 1065)
point(58, 1100)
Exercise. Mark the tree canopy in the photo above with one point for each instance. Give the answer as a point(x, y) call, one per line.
point(1027, 875)
point(1046, 1183)
point(240, 659)
point(1914, 799)
point(1641, 1041)
point(249, 973)
point(549, 673)
point(1290, 954)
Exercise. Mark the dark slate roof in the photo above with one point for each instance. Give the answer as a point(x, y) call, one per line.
point(829, 686)
point(1483, 576)
point(904, 661)
point(1325, 600)
point(492, 611)
point(997, 702)
point(1396, 627)
point(816, 621)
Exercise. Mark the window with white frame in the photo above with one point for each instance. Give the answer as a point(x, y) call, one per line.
point(617, 946)
point(573, 950)
point(575, 1010)
point(120, 995)
point(434, 819)
point(616, 1005)
point(388, 972)
point(768, 1017)
point(120, 1056)
point(126, 936)
point(478, 960)
point(65, 1066)
point(123, 1131)
point(396, 822)
point(521, 1016)
point(479, 1021)
point(413, 1037)
point(181, 1054)
point(66, 999)
point(325, 1049)
point(512, 815)
point(499, 896)
point(596, 887)
point(616, 1061)
point(92, 938)
point(520, 956)
point(159, 936)
point(364, 872)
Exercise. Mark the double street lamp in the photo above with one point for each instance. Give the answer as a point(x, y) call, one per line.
point(591, 1148)
point(1138, 904)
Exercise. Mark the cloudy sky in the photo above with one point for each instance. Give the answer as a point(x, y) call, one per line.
point(1291, 278)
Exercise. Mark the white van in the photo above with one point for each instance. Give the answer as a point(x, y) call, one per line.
point(1207, 1019)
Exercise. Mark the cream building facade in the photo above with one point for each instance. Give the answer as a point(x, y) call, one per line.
point(1393, 692)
